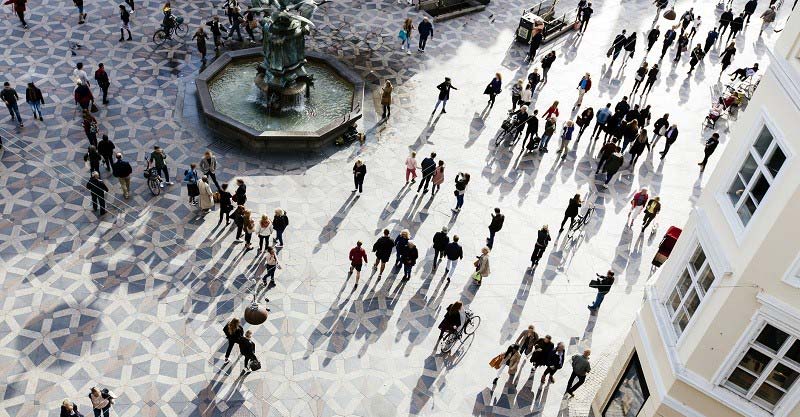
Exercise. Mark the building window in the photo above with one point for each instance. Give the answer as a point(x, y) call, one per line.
point(690, 290)
point(631, 392)
point(768, 369)
point(764, 160)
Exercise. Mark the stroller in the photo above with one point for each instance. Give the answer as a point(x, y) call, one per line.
point(724, 106)
point(666, 245)
point(510, 126)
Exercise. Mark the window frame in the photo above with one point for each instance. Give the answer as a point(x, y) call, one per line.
point(687, 266)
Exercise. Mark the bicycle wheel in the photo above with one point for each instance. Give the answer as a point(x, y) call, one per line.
point(448, 342)
point(500, 137)
point(181, 29)
point(160, 37)
point(154, 186)
point(472, 325)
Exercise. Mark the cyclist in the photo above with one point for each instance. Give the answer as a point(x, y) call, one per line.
point(169, 20)
point(452, 322)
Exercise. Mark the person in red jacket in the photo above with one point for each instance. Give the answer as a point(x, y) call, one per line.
point(637, 205)
point(357, 258)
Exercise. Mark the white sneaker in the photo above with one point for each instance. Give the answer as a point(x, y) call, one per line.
point(170, 183)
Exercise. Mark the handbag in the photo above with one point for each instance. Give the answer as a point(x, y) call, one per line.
point(594, 283)
point(255, 365)
point(476, 276)
point(496, 362)
point(94, 108)
point(215, 196)
point(253, 24)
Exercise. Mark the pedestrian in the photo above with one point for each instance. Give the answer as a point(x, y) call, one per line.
point(696, 55)
point(206, 195)
point(638, 146)
point(552, 110)
point(240, 195)
point(359, 172)
point(601, 119)
point(230, 8)
point(683, 44)
point(405, 34)
point(526, 96)
point(386, 97)
point(233, 332)
point(536, 42)
point(411, 167)
point(652, 76)
point(248, 349)
point(451, 321)
point(482, 269)
point(541, 352)
point(542, 240)
point(767, 18)
point(264, 232)
point(615, 161)
point(526, 341)
point(669, 38)
point(438, 178)
point(493, 88)
point(249, 228)
point(749, 9)
point(586, 14)
point(660, 128)
point(614, 126)
point(553, 363)
point(652, 37)
point(81, 14)
point(516, 93)
point(190, 178)
point(106, 149)
point(644, 116)
point(425, 30)
point(641, 73)
point(671, 135)
point(97, 188)
point(280, 221)
point(694, 27)
point(79, 75)
point(566, 136)
point(130, 3)
point(383, 251)
point(90, 127)
point(725, 19)
point(35, 99)
point(737, 24)
point(580, 367)
point(637, 205)
point(84, 97)
point(462, 179)
point(236, 19)
point(549, 129)
point(606, 150)
point(632, 114)
point(101, 77)
point(686, 18)
point(617, 45)
point(583, 121)
point(727, 56)
point(159, 160)
point(238, 221)
point(584, 85)
point(510, 358)
point(428, 166)
point(101, 400)
point(125, 18)
point(225, 204)
point(400, 246)
point(216, 31)
point(444, 94)
point(208, 166)
point(532, 131)
point(94, 158)
point(711, 39)
point(69, 409)
point(19, 7)
point(357, 258)
point(201, 37)
point(650, 211)
point(409, 259)
point(708, 150)
point(630, 47)
point(629, 132)
point(122, 171)
point(534, 78)
point(603, 286)
point(272, 265)
point(547, 62)
point(495, 226)
point(250, 23)
point(10, 97)
point(454, 253)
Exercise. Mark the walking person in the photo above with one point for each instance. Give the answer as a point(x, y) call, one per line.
point(671, 135)
point(493, 88)
point(583, 121)
point(94, 158)
point(208, 166)
point(482, 269)
point(357, 258)
point(264, 232)
point(601, 118)
point(225, 204)
point(527, 340)
point(532, 131)
point(428, 166)
point(81, 14)
point(549, 129)
point(400, 246)
point(554, 362)
point(35, 99)
point(69, 409)
point(572, 210)
point(696, 56)
point(547, 62)
point(101, 400)
point(711, 39)
point(651, 209)
point(125, 18)
point(638, 146)
point(630, 47)
point(201, 37)
point(536, 42)
point(238, 221)
point(236, 20)
point(411, 167)
point(158, 158)
point(580, 367)
point(641, 74)
point(84, 97)
point(206, 195)
point(272, 265)
point(652, 37)
point(617, 46)
point(233, 332)
point(90, 127)
point(542, 240)
point(541, 352)
point(405, 35)
point(669, 38)
point(660, 128)
point(383, 251)
point(615, 161)
point(454, 253)
point(727, 57)
point(629, 132)
point(248, 349)
point(438, 178)
point(683, 44)
point(694, 27)
point(603, 285)
point(516, 93)
point(462, 179)
point(606, 150)
point(444, 94)
point(249, 228)
point(440, 242)
point(708, 150)
point(637, 205)
point(280, 221)
point(737, 24)
point(584, 85)
point(409, 259)
point(121, 170)
point(510, 358)
point(386, 97)
point(19, 8)
point(190, 178)
point(98, 189)
point(425, 30)
point(216, 31)
point(652, 76)
point(586, 14)
point(10, 97)
point(240, 195)
point(725, 19)
point(250, 23)
point(749, 9)
point(566, 137)
point(495, 226)
point(686, 18)
point(106, 149)
point(359, 172)
point(767, 18)
point(101, 77)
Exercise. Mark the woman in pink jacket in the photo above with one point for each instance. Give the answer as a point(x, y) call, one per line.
point(411, 167)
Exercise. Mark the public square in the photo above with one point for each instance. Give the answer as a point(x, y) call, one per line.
point(136, 300)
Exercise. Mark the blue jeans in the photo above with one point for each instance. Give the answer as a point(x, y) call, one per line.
point(544, 140)
point(442, 102)
point(406, 43)
point(14, 110)
point(459, 200)
point(598, 300)
point(279, 236)
point(36, 107)
point(407, 270)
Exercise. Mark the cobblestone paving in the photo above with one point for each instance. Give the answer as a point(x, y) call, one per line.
point(135, 301)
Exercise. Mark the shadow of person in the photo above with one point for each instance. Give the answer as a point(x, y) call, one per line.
point(332, 227)
point(511, 324)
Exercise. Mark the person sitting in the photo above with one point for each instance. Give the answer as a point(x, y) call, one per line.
point(744, 73)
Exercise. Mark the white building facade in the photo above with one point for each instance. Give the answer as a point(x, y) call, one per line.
point(719, 331)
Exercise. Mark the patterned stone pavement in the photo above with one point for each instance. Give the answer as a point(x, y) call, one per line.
point(135, 301)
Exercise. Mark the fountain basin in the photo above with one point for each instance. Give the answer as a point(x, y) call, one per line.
point(234, 109)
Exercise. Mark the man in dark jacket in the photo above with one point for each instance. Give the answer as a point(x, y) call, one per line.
point(542, 240)
point(536, 41)
point(671, 136)
point(725, 19)
point(711, 146)
point(603, 285)
point(532, 131)
point(736, 26)
point(106, 149)
point(541, 351)
point(444, 94)
point(454, 252)
point(652, 37)
point(101, 76)
point(749, 9)
point(10, 97)
point(97, 188)
point(121, 170)
point(616, 47)
point(494, 226)
point(605, 152)
point(580, 367)
point(711, 38)
point(428, 166)
point(554, 362)
point(586, 14)
point(613, 164)
point(669, 38)
point(248, 349)
point(216, 31)
point(425, 29)
point(383, 251)
point(440, 241)
point(622, 106)
point(279, 222)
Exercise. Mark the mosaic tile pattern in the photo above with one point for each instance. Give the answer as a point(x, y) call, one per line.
point(135, 301)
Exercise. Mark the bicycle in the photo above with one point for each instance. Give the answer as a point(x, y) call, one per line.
point(581, 221)
point(153, 178)
point(470, 325)
point(178, 28)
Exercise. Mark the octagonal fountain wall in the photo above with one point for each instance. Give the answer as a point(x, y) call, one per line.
point(234, 109)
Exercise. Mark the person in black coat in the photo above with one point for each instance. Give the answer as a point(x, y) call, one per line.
point(454, 252)
point(669, 38)
point(93, 157)
point(444, 94)
point(571, 211)
point(671, 136)
point(696, 56)
point(495, 226)
point(248, 349)
point(440, 241)
point(225, 204)
point(280, 221)
point(725, 19)
point(359, 172)
point(383, 251)
point(749, 9)
point(425, 29)
point(541, 351)
point(69, 409)
point(409, 259)
point(708, 150)
point(216, 31)
point(617, 45)
point(555, 361)
point(652, 76)
point(98, 189)
point(451, 321)
point(536, 41)
point(101, 76)
point(542, 240)
point(240, 196)
point(233, 333)
point(401, 245)
point(547, 62)
point(586, 14)
point(106, 149)
point(428, 166)
point(532, 131)
point(603, 285)
point(652, 37)
point(736, 26)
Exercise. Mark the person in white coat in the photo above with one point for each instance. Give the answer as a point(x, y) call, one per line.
point(206, 195)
